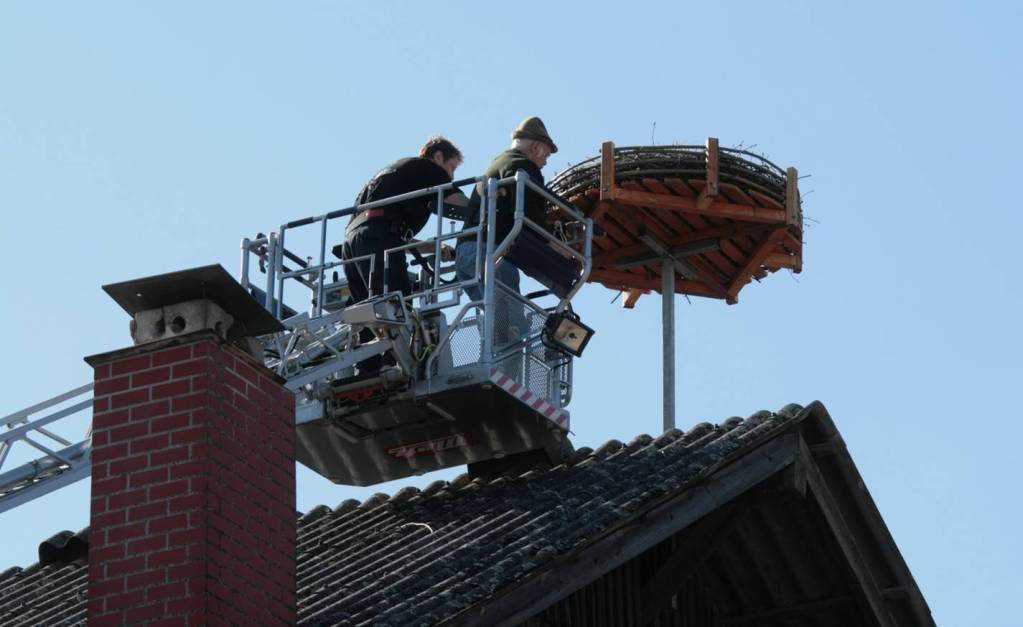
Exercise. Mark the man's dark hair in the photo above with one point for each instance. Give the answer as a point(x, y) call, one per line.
point(446, 148)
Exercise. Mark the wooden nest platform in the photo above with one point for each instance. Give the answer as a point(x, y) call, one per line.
point(705, 218)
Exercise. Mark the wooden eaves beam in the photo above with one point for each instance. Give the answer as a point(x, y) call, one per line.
point(832, 453)
point(818, 487)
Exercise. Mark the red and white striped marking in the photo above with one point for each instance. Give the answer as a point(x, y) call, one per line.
point(552, 413)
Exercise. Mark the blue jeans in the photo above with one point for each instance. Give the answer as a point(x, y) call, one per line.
point(509, 312)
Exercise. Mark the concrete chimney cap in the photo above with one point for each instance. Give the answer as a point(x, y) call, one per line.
point(206, 282)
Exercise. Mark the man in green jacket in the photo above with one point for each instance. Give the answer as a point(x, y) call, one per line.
point(531, 146)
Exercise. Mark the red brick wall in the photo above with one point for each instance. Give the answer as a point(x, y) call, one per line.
point(193, 489)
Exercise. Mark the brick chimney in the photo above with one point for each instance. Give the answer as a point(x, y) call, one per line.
point(193, 486)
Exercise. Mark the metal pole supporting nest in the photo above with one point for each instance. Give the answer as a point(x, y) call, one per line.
point(668, 322)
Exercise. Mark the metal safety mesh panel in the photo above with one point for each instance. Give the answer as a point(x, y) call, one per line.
point(466, 343)
point(532, 366)
point(538, 379)
point(510, 323)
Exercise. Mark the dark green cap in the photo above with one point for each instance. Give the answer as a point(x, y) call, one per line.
point(533, 128)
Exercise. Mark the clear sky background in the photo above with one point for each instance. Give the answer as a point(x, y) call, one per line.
point(141, 138)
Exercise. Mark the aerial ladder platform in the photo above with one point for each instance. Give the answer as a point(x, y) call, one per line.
point(484, 383)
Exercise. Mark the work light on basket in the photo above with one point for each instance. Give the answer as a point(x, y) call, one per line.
point(564, 330)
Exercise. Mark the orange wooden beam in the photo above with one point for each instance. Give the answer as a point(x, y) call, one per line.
point(612, 223)
point(736, 194)
point(766, 200)
point(664, 224)
point(710, 188)
point(720, 260)
point(795, 245)
point(716, 209)
point(707, 276)
point(755, 261)
point(777, 261)
point(631, 296)
point(607, 171)
point(793, 214)
point(602, 207)
point(730, 246)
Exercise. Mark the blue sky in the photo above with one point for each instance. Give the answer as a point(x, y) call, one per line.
point(140, 138)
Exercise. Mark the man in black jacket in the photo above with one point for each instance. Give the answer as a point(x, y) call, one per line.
point(372, 231)
point(530, 149)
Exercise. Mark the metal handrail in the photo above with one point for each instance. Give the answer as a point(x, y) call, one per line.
point(277, 274)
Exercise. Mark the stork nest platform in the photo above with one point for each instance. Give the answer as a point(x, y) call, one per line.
point(721, 217)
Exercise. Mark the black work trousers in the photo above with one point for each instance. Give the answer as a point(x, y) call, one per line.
point(373, 238)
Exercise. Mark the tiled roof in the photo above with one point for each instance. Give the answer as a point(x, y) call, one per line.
point(51, 592)
point(420, 557)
